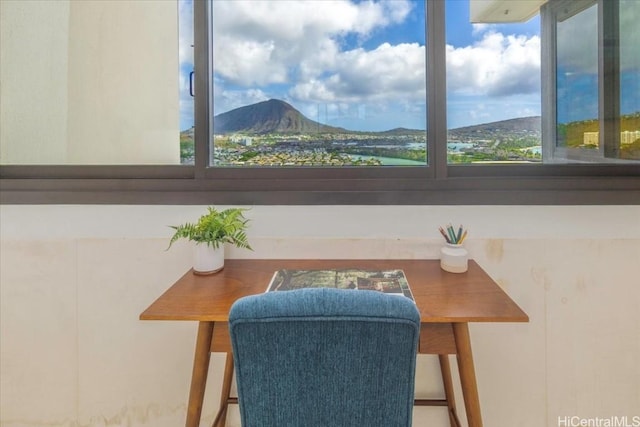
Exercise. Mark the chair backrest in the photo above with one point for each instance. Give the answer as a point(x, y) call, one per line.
point(325, 358)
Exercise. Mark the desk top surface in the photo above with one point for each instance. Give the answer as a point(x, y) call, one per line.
point(440, 296)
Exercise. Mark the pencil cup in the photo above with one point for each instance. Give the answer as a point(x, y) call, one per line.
point(454, 258)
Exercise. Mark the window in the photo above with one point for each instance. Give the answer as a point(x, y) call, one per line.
point(577, 99)
point(318, 83)
point(213, 165)
point(594, 105)
point(493, 87)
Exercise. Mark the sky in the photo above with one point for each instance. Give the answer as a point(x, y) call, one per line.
point(577, 74)
point(361, 64)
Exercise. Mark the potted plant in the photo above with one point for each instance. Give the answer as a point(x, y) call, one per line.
point(210, 233)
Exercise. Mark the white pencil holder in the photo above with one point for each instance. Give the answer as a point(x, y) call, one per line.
point(454, 258)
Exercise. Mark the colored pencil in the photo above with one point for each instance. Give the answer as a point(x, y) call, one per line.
point(444, 234)
point(451, 236)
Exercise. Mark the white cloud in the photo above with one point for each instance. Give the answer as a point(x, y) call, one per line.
point(226, 100)
point(299, 44)
point(497, 65)
point(388, 72)
point(248, 62)
point(478, 29)
point(285, 20)
point(259, 42)
point(371, 15)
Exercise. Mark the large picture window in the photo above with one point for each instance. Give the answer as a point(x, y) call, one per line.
point(318, 83)
point(320, 102)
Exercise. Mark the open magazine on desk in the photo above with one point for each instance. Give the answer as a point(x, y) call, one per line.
point(392, 282)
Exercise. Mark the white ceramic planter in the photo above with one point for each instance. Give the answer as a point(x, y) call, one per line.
point(454, 258)
point(207, 259)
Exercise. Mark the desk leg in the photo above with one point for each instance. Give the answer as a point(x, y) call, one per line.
point(221, 417)
point(467, 374)
point(199, 373)
point(445, 368)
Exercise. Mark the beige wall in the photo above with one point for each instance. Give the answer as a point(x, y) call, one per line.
point(33, 81)
point(89, 82)
point(73, 280)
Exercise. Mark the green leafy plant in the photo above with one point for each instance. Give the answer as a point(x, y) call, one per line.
point(215, 228)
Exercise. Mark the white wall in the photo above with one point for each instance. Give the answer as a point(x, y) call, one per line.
point(33, 83)
point(73, 280)
point(89, 82)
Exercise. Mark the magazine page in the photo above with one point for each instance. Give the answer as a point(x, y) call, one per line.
point(391, 282)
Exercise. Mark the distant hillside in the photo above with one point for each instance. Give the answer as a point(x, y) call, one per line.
point(572, 133)
point(272, 116)
point(519, 125)
point(276, 116)
point(401, 131)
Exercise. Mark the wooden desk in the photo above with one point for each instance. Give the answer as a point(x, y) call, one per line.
point(446, 301)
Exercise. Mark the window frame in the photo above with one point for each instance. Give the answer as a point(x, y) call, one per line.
point(436, 184)
point(608, 82)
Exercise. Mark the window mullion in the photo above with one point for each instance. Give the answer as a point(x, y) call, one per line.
point(436, 88)
point(548, 82)
point(202, 78)
point(609, 82)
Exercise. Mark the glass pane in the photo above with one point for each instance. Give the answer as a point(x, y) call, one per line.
point(88, 83)
point(577, 81)
point(185, 52)
point(493, 88)
point(318, 83)
point(629, 79)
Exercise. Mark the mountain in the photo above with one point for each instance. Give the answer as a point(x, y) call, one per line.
point(519, 125)
point(401, 132)
point(272, 116)
point(276, 116)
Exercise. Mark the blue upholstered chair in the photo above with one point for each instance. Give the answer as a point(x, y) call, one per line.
point(325, 358)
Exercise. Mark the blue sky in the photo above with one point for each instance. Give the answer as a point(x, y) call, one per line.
point(360, 65)
point(577, 78)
